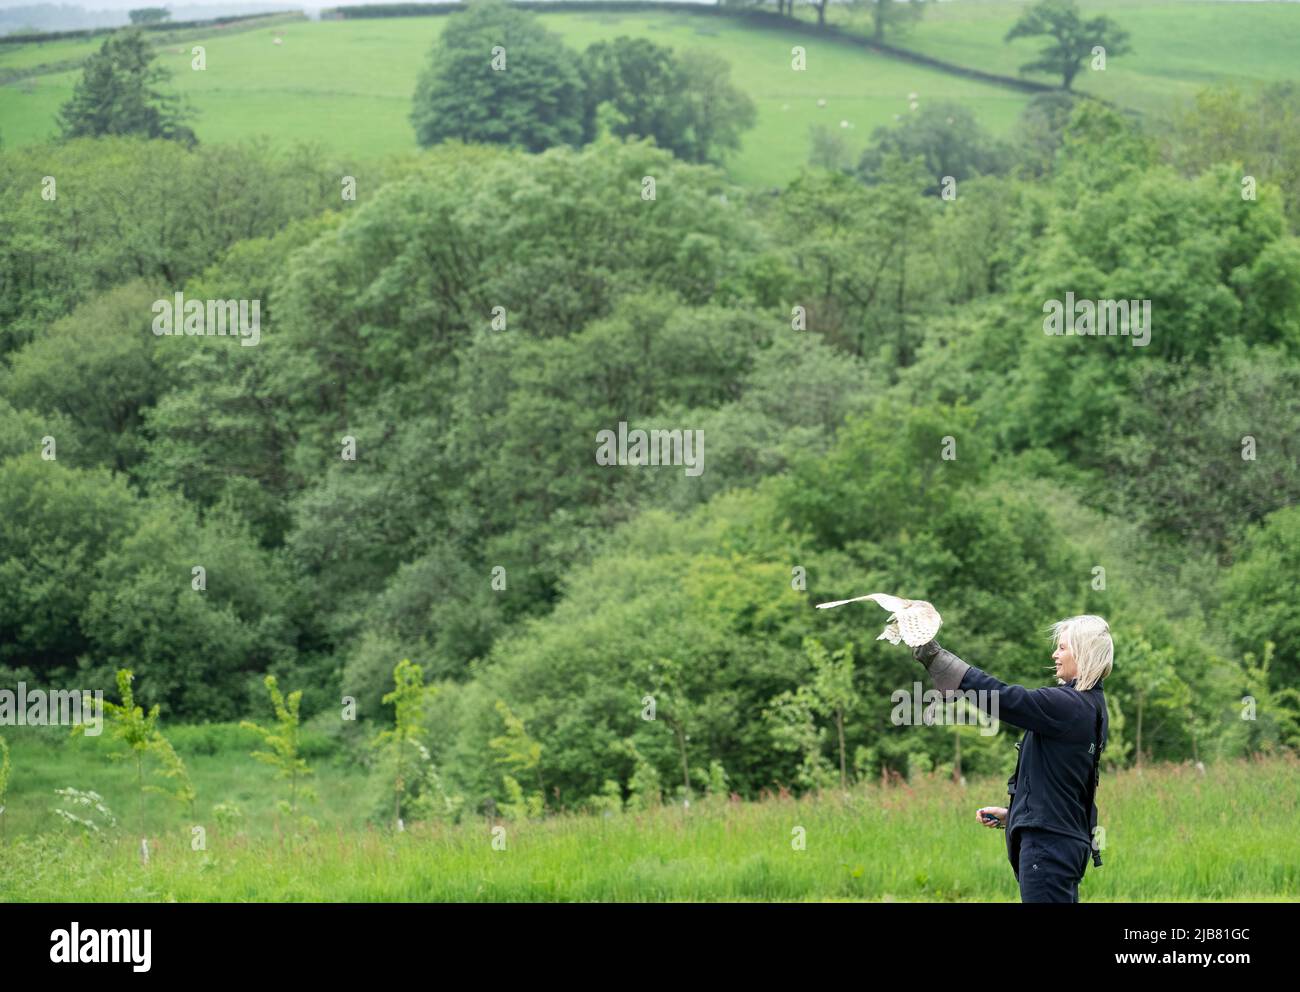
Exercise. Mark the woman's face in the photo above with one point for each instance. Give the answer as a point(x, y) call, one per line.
point(1066, 668)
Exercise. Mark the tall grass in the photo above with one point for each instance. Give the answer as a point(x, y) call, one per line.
point(1172, 834)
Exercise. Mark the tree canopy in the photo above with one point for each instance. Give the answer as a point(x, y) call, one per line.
point(405, 466)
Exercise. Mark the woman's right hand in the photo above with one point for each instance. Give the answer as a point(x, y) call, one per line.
point(999, 811)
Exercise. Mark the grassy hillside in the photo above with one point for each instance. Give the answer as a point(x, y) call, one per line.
point(1178, 46)
point(348, 84)
point(39, 53)
point(1234, 840)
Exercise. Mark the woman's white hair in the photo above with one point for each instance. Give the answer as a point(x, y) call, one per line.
point(1089, 640)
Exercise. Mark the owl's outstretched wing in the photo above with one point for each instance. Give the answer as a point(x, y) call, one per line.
point(891, 603)
point(913, 621)
point(841, 602)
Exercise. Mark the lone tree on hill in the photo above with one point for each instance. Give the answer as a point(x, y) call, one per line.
point(1073, 39)
point(149, 15)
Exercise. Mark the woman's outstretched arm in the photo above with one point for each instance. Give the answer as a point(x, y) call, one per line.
point(1051, 711)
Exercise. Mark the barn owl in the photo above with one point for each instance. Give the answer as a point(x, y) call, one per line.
point(912, 621)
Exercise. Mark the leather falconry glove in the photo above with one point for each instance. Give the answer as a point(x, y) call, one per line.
point(945, 668)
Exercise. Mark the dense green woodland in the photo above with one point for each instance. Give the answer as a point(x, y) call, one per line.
point(921, 320)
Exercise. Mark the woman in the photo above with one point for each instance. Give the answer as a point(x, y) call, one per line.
point(1052, 815)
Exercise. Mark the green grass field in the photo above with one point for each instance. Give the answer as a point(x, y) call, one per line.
point(1172, 834)
point(348, 84)
point(34, 54)
point(46, 52)
point(1179, 46)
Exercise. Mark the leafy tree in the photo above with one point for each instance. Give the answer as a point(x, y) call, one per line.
point(1101, 149)
point(885, 470)
point(863, 260)
point(639, 606)
point(686, 104)
point(353, 356)
point(1041, 130)
point(1113, 209)
point(832, 687)
point(888, 16)
point(830, 148)
point(645, 786)
point(216, 433)
point(149, 15)
point(533, 100)
point(608, 800)
point(828, 693)
point(283, 744)
point(200, 637)
point(947, 139)
point(56, 525)
point(409, 699)
point(996, 219)
point(1156, 687)
point(673, 707)
point(97, 367)
point(637, 78)
point(1182, 460)
point(1258, 599)
point(710, 113)
point(791, 718)
point(129, 724)
point(1276, 719)
point(521, 753)
point(117, 94)
point(119, 216)
point(1073, 38)
point(1261, 131)
point(172, 767)
point(792, 400)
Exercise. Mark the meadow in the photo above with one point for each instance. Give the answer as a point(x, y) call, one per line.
point(348, 84)
point(1172, 833)
point(1179, 46)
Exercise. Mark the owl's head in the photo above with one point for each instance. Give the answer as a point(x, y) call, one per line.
point(1084, 650)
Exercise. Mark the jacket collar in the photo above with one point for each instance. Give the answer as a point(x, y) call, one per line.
point(1074, 680)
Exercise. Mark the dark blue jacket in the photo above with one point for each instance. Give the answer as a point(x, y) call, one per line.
point(1052, 786)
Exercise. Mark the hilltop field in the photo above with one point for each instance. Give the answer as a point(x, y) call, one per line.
point(348, 84)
